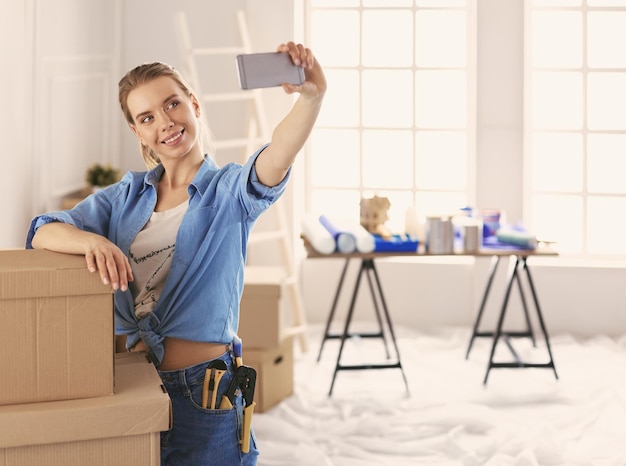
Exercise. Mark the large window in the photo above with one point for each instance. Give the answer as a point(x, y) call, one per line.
point(397, 120)
point(576, 124)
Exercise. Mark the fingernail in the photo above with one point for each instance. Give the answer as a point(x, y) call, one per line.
point(105, 280)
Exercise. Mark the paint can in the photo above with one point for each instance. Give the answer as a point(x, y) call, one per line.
point(439, 235)
point(471, 238)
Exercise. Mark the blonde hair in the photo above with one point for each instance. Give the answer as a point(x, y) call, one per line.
point(143, 74)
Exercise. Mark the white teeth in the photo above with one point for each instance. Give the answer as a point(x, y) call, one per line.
point(173, 138)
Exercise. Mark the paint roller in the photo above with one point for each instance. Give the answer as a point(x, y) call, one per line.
point(518, 238)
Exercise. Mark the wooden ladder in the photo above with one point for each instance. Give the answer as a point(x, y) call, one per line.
point(257, 133)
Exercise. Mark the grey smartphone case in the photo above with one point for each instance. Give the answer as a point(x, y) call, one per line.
point(257, 70)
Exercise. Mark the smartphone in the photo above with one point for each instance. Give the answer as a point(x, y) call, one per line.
point(269, 69)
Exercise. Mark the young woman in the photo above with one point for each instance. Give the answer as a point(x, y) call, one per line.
point(171, 241)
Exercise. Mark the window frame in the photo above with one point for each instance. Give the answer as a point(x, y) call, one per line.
point(584, 194)
point(470, 130)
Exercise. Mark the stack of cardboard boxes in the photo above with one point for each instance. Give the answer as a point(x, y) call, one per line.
point(267, 347)
point(65, 397)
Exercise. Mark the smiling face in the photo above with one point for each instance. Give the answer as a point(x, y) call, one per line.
point(165, 119)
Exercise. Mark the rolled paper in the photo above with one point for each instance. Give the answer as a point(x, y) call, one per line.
point(345, 241)
point(365, 241)
point(320, 238)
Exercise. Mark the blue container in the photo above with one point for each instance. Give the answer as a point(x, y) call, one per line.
point(397, 243)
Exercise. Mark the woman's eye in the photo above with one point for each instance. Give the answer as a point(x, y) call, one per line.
point(172, 105)
point(146, 119)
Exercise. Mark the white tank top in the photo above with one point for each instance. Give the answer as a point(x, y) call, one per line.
point(151, 257)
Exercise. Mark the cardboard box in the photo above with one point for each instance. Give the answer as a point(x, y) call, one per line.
point(261, 318)
point(113, 430)
point(274, 368)
point(56, 337)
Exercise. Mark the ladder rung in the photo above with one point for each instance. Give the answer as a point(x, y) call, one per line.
point(266, 236)
point(291, 280)
point(218, 50)
point(227, 97)
point(295, 330)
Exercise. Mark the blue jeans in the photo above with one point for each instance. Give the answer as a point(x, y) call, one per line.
point(203, 437)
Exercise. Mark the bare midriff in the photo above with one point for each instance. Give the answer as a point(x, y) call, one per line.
point(180, 354)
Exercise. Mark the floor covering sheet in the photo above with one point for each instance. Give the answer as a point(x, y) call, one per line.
point(521, 417)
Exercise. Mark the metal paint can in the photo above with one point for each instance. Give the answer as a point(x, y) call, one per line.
point(439, 235)
point(471, 238)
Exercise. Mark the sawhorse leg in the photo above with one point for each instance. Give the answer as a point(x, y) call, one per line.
point(540, 317)
point(331, 314)
point(495, 261)
point(513, 276)
point(367, 267)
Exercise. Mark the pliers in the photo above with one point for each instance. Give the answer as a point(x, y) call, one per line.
point(244, 381)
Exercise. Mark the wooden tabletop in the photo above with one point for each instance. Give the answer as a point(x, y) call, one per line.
point(483, 252)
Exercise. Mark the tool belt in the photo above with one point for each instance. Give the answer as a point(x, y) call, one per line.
point(244, 381)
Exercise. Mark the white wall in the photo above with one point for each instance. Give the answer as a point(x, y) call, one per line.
point(500, 106)
point(15, 124)
point(61, 60)
point(574, 298)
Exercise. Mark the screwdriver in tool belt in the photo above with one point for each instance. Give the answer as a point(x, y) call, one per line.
point(220, 370)
point(237, 350)
point(237, 344)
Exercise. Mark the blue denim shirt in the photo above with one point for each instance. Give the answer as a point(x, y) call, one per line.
point(200, 299)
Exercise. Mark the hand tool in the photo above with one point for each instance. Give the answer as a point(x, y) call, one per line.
point(220, 369)
point(245, 381)
point(209, 376)
point(214, 372)
point(237, 350)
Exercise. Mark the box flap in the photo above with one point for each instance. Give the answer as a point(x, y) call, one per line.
point(30, 273)
point(140, 406)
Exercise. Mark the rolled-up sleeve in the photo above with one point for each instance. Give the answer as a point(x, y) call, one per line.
point(91, 214)
point(61, 216)
point(257, 191)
